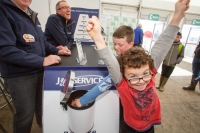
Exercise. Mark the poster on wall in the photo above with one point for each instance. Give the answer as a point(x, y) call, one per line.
point(81, 16)
point(105, 21)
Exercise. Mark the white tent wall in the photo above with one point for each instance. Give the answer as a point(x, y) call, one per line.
point(164, 8)
point(47, 7)
point(92, 4)
point(156, 4)
point(122, 2)
point(42, 8)
point(168, 5)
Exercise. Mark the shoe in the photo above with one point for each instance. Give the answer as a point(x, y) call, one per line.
point(40, 126)
point(161, 79)
point(164, 81)
point(191, 86)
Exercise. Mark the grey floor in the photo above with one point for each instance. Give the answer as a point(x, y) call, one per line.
point(180, 108)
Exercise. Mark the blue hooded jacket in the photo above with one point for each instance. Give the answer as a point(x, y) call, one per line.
point(22, 43)
point(138, 32)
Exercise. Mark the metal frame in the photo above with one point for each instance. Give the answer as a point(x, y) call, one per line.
point(2, 129)
point(2, 88)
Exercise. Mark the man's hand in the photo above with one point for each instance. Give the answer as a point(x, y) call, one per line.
point(180, 7)
point(51, 59)
point(94, 29)
point(63, 47)
point(64, 52)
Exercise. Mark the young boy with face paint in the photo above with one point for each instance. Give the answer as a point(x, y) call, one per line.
point(134, 76)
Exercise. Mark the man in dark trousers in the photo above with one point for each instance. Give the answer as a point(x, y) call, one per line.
point(59, 27)
point(22, 60)
point(195, 69)
point(138, 32)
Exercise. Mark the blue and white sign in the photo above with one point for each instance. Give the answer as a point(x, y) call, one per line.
point(85, 77)
point(81, 11)
point(81, 16)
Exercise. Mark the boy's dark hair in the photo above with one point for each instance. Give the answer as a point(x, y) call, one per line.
point(179, 33)
point(134, 57)
point(124, 31)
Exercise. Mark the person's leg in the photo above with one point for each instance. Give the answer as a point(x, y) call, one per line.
point(166, 75)
point(22, 90)
point(199, 85)
point(121, 112)
point(124, 128)
point(196, 66)
point(195, 72)
point(151, 130)
point(163, 71)
point(38, 99)
point(169, 71)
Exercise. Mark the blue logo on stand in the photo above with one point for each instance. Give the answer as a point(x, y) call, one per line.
point(80, 81)
point(86, 80)
point(61, 81)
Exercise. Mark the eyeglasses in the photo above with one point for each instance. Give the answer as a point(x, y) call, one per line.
point(64, 7)
point(145, 78)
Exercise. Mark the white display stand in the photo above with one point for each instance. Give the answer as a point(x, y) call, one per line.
point(106, 118)
point(81, 59)
point(55, 117)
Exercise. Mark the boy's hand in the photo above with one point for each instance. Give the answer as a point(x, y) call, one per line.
point(76, 103)
point(94, 29)
point(180, 7)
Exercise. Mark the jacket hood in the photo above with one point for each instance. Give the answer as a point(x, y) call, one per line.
point(176, 43)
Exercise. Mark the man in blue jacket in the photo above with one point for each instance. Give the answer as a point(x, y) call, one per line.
point(22, 60)
point(138, 32)
point(59, 27)
point(195, 69)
